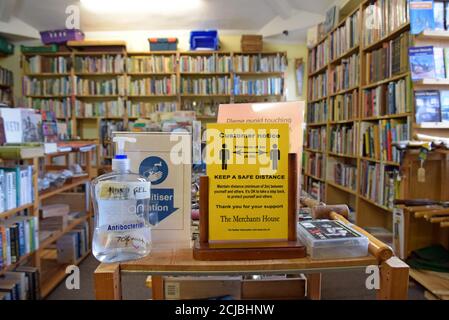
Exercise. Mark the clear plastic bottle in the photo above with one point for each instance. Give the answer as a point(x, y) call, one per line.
point(121, 202)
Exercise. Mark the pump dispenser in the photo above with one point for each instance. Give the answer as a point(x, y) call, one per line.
point(121, 202)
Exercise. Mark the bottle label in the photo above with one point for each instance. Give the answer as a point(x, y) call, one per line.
point(111, 190)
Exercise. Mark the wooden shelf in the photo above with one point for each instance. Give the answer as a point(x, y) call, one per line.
point(314, 150)
point(11, 212)
point(391, 36)
point(344, 91)
point(342, 155)
point(432, 35)
point(48, 97)
point(17, 263)
point(314, 177)
point(58, 234)
point(345, 55)
point(30, 54)
point(112, 96)
point(75, 182)
point(264, 53)
point(152, 96)
point(390, 79)
point(54, 274)
point(277, 73)
point(317, 100)
point(149, 74)
point(431, 82)
point(204, 73)
point(53, 75)
point(257, 95)
point(318, 71)
point(205, 95)
point(384, 162)
point(5, 86)
point(316, 124)
point(388, 116)
point(98, 74)
point(342, 121)
point(342, 188)
point(431, 125)
point(375, 203)
point(151, 53)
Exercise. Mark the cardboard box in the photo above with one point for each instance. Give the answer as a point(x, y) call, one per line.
point(251, 43)
point(183, 288)
point(171, 155)
point(274, 288)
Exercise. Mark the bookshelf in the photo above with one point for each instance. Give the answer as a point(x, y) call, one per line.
point(6, 86)
point(102, 87)
point(359, 99)
point(39, 258)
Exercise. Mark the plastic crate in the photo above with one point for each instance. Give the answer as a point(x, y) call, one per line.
point(163, 44)
point(52, 48)
point(61, 36)
point(204, 40)
point(6, 47)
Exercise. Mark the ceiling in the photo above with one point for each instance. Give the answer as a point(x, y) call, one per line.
point(258, 16)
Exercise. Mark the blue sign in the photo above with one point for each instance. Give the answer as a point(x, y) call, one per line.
point(161, 205)
point(154, 169)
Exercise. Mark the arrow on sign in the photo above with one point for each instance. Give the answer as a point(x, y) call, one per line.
point(239, 152)
point(161, 209)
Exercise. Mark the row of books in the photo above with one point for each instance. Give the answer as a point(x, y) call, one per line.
point(45, 64)
point(16, 187)
point(6, 77)
point(343, 139)
point(316, 139)
point(393, 130)
point(429, 62)
point(114, 108)
point(151, 64)
point(74, 245)
point(212, 85)
point(107, 127)
point(315, 189)
point(211, 63)
point(377, 142)
point(153, 86)
point(390, 60)
point(260, 63)
point(379, 183)
point(21, 284)
point(100, 64)
point(431, 106)
point(317, 87)
point(100, 87)
point(46, 87)
point(343, 174)
point(145, 109)
point(382, 18)
point(428, 15)
point(268, 86)
point(60, 107)
point(314, 164)
point(386, 99)
point(344, 106)
point(319, 56)
point(345, 75)
point(345, 37)
point(19, 236)
point(317, 112)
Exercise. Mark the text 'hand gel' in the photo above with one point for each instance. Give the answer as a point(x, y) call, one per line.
point(121, 202)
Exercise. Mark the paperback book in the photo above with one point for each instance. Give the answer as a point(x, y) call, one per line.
point(427, 104)
point(421, 16)
point(422, 62)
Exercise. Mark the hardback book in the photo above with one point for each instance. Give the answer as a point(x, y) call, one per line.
point(438, 55)
point(422, 62)
point(446, 15)
point(421, 16)
point(427, 104)
point(438, 15)
point(444, 103)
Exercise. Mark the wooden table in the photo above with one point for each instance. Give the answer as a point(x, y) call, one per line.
point(393, 272)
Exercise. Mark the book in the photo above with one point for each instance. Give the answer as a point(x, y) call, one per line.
point(316, 139)
point(421, 15)
point(332, 16)
point(422, 62)
point(438, 15)
point(20, 152)
point(100, 64)
point(32, 274)
point(345, 75)
point(343, 139)
point(446, 15)
point(345, 37)
point(319, 56)
point(12, 124)
point(444, 105)
point(439, 57)
point(427, 104)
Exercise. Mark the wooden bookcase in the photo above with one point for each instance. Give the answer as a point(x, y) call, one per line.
point(45, 257)
point(368, 213)
point(8, 89)
point(89, 127)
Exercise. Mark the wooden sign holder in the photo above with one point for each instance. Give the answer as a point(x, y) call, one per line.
point(288, 249)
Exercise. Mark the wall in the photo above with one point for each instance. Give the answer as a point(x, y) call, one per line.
point(138, 41)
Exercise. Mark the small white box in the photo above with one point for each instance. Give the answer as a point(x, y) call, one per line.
point(331, 239)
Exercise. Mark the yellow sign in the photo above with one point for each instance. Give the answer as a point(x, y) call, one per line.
point(247, 166)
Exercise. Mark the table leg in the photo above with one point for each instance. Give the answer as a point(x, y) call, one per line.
point(393, 280)
point(107, 282)
point(157, 288)
point(314, 286)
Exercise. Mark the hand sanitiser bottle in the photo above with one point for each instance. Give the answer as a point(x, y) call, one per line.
point(121, 202)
